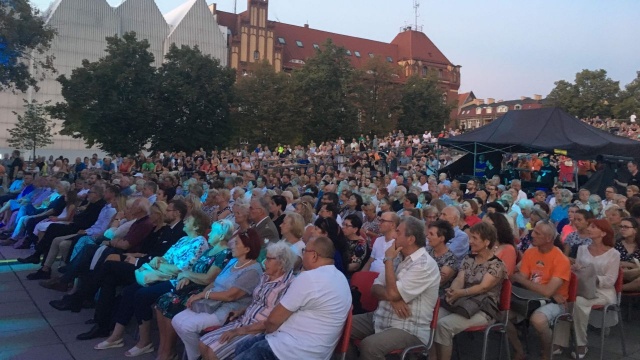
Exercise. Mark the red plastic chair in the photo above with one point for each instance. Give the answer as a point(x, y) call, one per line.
point(343, 343)
point(613, 307)
point(363, 280)
point(567, 316)
point(501, 326)
point(424, 348)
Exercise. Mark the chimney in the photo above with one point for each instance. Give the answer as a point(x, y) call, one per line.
point(480, 101)
point(491, 101)
point(537, 97)
point(306, 26)
point(522, 97)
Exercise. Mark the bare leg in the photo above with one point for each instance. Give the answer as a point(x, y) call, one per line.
point(117, 333)
point(512, 335)
point(145, 334)
point(540, 322)
point(168, 336)
point(206, 352)
point(444, 352)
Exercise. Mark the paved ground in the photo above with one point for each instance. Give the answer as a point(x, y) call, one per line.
point(31, 329)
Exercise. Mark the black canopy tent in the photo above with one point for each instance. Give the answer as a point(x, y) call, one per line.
point(549, 130)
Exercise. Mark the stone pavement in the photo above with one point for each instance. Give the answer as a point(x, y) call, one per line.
point(31, 329)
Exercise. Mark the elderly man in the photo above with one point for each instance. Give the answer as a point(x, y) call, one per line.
point(407, 297)
point(517, 186)
point(459, 245)
point(309, 319)
point(389, 221)
point(149, 191)
point(259, 215)
point(546, 271)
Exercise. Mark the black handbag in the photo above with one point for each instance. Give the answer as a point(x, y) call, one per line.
point(469, 305)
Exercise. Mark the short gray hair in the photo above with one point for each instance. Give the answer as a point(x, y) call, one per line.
point(550, 228)
point(414, 227)
point(281, 250)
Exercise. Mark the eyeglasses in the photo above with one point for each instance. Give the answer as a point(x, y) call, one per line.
point(626, 227)
point(305, 250)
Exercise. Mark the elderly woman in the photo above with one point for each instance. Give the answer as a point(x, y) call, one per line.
point(193, 203)
point(292, 229)
point(439, 232)
point(505, 248)
point(606, 261)
point(222, 200)
point(358, 249)
point(190, 282)
point(470, 210)
point(209, 205)
point(479, 274)
point(241, 216)
point(353, 206)
point(614, 215)
point(305, 209)
point(278, 274)
point(137, 300)
point(231, 291)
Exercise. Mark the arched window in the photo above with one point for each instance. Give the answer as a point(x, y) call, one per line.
point(425, 70)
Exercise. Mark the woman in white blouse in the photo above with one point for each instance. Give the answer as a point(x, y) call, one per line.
point(606, 261)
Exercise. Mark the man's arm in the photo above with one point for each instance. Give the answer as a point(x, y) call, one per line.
point(277, 317)
point(547, 290)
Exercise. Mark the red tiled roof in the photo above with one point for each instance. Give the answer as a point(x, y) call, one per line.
point(309, 37)
point(462, 97)
point(416, 45)
point(228, 19)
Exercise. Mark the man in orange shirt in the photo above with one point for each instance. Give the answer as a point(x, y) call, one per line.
point(536, 163)
point(544, 270)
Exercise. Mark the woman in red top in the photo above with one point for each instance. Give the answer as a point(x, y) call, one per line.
point(470, 209)
point(125, 167)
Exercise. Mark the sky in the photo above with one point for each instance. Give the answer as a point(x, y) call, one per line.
point(507, 48)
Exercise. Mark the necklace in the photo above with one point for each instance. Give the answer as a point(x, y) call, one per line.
point(235, 266)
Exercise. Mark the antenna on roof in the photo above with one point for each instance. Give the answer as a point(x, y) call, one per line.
point(235, 6)
point(416, 6)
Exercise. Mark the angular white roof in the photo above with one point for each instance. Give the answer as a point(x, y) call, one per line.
point(175, 16)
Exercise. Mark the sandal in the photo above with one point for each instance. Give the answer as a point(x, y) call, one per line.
point(580, 356)
point(109, 345)
point(136, 351)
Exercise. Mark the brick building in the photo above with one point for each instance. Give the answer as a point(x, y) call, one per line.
point(254, 38)
point(473, 113)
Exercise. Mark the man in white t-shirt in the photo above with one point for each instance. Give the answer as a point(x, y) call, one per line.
point(309, 319)
point(389, 221)
point(408, 294)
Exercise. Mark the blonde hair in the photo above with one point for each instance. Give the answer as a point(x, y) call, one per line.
point(297, 223)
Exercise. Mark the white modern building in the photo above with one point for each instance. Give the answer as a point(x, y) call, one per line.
point(82, 27)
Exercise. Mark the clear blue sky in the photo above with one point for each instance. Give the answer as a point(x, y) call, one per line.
point(507, 48)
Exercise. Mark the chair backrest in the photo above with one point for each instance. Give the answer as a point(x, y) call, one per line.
point(505, 296)
point(619, 281)
point(573, 288)
point(363, 280)
point(343, 343)
point(434, 324)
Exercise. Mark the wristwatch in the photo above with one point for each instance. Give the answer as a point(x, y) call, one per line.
point(385, 259)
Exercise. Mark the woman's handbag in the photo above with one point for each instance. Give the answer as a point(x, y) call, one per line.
point(206, 306)
point(587, 277)
point(146, 275)
point(470, 305)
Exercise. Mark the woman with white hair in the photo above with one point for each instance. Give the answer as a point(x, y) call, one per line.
point(278, 275)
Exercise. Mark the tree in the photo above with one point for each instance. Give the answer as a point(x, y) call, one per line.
point(24, 39)
point(629, 99)
point(377, 94)
point(33, 129)
point(263, 108)
point(109, 102)
point(192, 101)
point(423, 107)
point(593, 94)
point(322, 95)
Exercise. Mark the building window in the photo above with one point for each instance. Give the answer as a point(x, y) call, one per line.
point(389, 59)
point(348, 52)
point(357, 53)
point(316, 46)
point(440, 73)
point(371, 55)
point(256, 55)
point(489, 110)
point(503, 109)
point(425, 70)
point(517, 107)
point(299, 43)
point(281, 41)
point(478, 111)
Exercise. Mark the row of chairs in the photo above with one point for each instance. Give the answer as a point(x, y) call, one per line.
point(364, 281)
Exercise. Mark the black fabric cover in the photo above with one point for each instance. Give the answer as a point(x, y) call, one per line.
point(544, 130)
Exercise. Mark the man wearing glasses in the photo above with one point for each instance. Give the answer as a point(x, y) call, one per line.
point(309, 319)
point(389, 221)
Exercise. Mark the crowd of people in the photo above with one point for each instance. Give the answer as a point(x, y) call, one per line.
point(249, 254)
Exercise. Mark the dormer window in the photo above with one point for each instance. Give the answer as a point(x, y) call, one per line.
point(282, 41)
point(299, 43)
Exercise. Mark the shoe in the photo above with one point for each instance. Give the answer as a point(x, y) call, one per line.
point(39, 275)
point(95, 332)
point(63, 305)
point(557, 351)
point(31, 259)
point(136, 351)
point(580, 356)
point(109, 345)
point(7, 242)
point(54, 284)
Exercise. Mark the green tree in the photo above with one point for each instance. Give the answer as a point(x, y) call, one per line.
point(33, 129)
point(108, 102)
point(192, 101)
point(629, 99)
point(323, 96)
point(592, 94)
point(262, 108)
point(24, 40)
point(423, 106)
point(377, 94)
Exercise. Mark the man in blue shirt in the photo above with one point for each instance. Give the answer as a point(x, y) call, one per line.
point(459, 245)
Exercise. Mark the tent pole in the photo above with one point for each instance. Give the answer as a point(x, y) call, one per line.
point(475, 154)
